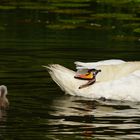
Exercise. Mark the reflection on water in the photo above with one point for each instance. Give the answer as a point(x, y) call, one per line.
point(82, 118)
point(32, 35)
point(3, 115)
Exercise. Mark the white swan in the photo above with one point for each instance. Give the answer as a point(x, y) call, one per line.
point(3, 100)
point(119, 80)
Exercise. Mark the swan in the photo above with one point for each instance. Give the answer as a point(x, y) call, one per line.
point(3, 100)
point(118, 80)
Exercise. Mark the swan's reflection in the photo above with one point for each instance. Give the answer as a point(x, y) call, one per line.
point(85, 117)
point(80, 106)
point(72, 106)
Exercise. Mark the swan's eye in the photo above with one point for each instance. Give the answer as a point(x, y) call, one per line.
point(94, 73)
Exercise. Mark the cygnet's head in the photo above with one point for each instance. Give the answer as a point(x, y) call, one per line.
point(3, 100)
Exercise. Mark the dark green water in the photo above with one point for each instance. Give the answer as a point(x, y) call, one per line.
point(92, 31)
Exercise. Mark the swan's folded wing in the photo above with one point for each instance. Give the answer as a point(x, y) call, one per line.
point(136, 73)
point(91, 65)
point(130, 79)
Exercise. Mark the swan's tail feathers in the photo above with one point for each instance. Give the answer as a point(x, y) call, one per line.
point(53, 70)
point(47, 67)
point(57, 68)
point(63, 77)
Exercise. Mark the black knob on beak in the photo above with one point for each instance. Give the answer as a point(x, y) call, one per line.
point(97, 71)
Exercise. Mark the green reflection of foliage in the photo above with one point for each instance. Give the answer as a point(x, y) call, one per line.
point(84, 25)
point(91, 14)
point(2, 28)
point(25, 6)
point(70, 5)
point(7, 7)
point(70, 11)
point(119, 16)
point(137, 30)
point(61, 26)
point(73, 21)
point(125, 38)
point(132, 25)
point(117, 1)
point(69, 1)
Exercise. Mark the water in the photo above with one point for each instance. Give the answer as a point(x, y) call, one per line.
point(32, 38)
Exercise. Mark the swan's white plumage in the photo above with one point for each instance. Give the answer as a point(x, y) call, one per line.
point(118, 80)
point(90, 65)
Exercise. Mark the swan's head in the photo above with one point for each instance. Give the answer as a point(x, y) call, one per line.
point(94, 71)
point(3, 100)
